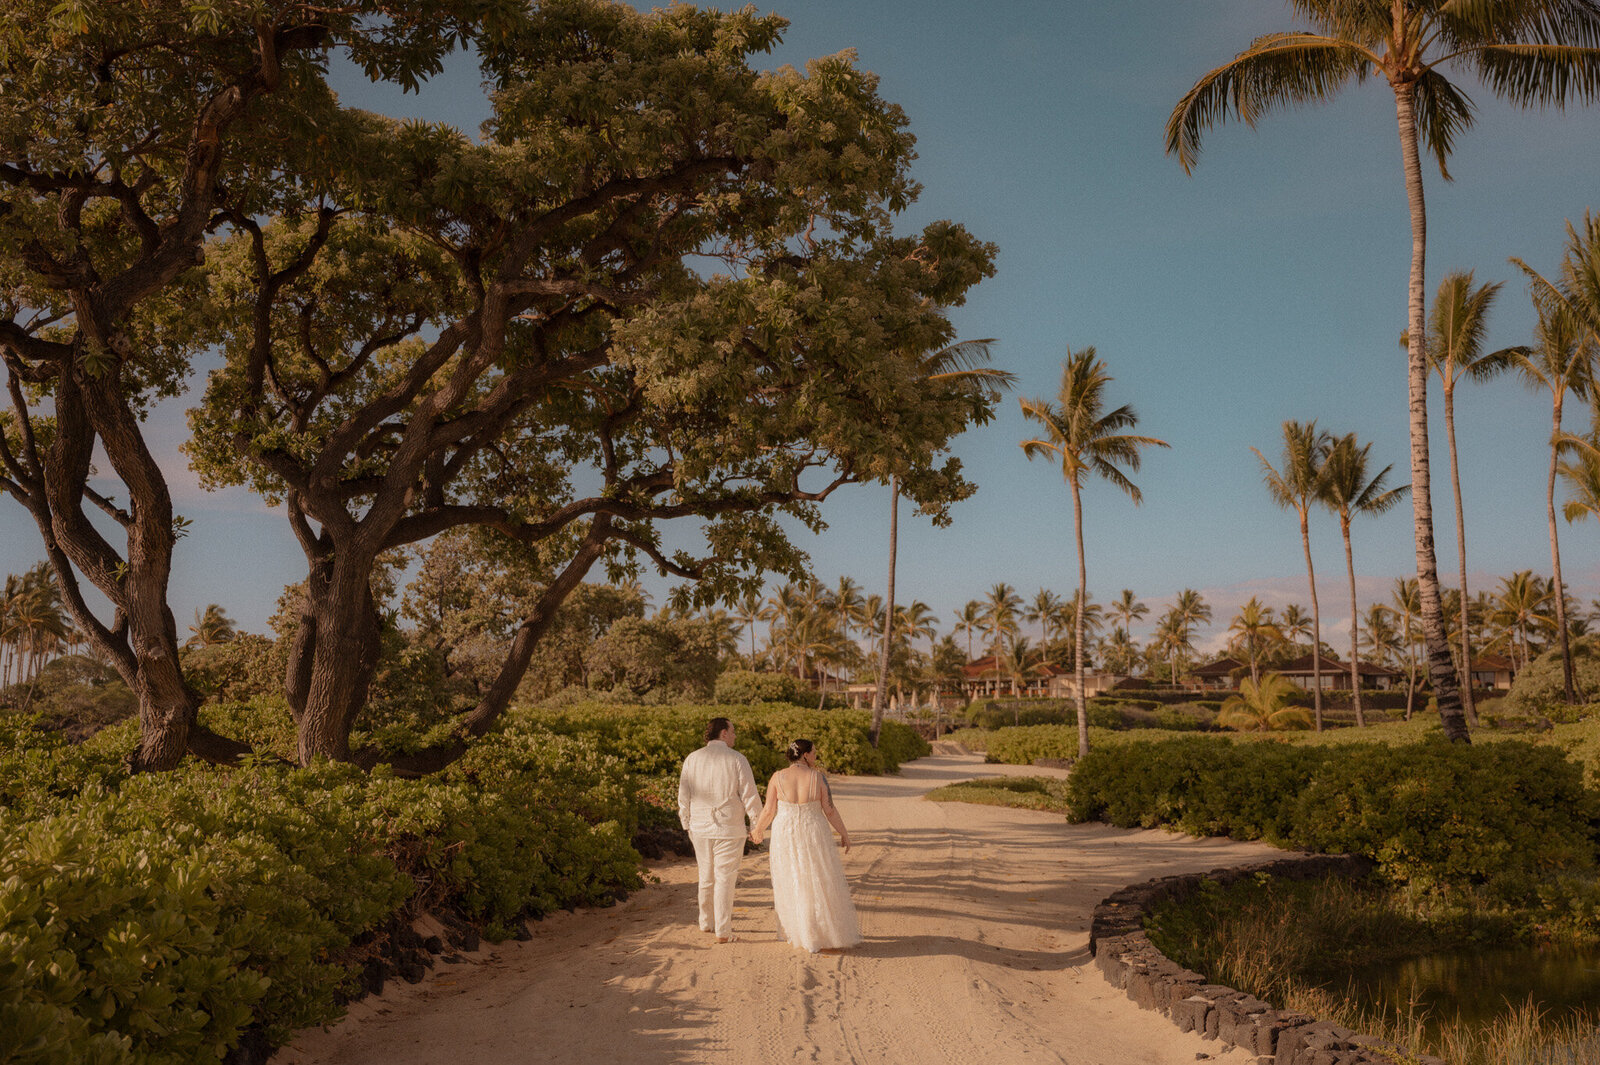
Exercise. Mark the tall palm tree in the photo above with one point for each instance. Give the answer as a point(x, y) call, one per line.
point(1093, 617)
point(1295, 487)
point(1191, 609)
point(1169, 642)
point(1086, 439)
point(961, 367)
point(747, 611)
point(1530, 52)
point(1254, 630)
point(1044, 609)
point(1000, 615)
point(849, 605)
point(1127, 608)
point(1379, 636)
point(1019, 662)
point(1295, 623)
point(1455, 351)
point(1581, 472)
point(1348, 491)
point(970, 621)
point(1121, 651)
point(1561, 363)
point(1569, 314)
point(1520, 610)
point(1408, 608)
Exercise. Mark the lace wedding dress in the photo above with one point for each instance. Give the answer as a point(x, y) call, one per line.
point(808, 886)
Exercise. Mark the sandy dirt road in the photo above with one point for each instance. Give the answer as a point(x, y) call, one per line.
point(976, 921)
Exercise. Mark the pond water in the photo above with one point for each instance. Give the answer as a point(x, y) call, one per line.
point(1561, 980)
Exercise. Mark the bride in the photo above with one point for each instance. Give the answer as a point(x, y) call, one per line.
point(808, 887)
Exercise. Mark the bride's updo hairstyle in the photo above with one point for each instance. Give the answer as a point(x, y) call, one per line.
point(798, 750)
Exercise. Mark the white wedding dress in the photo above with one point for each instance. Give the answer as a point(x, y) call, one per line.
point(808, 886)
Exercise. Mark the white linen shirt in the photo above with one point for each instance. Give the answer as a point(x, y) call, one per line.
point(715, 784)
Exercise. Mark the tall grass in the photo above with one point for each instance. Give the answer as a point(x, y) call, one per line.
point(1290, 943)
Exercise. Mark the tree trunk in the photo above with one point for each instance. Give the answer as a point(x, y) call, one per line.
point(1077, 624)
point(1441, 666)
point(1468, 704)
point(1316, 619)
point(1355, 625)
point(1560, 589)
point(880, 690)
point(334, 658)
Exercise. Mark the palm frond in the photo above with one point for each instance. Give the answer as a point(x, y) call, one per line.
point(1278, 70)
point(1442, 111)
point(1540, 74)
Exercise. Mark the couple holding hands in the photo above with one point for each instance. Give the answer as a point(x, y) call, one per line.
point(717, 791)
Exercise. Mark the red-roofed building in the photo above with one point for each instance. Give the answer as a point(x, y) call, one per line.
point(981, 678)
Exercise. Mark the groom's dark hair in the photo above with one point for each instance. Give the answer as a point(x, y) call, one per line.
point(716, 728)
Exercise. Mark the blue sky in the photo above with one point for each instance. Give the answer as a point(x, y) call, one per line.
point(1269, 285)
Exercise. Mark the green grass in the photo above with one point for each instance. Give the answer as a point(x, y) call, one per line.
point(1025, 793)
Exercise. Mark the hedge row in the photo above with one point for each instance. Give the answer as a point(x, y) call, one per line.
point(1511, 816)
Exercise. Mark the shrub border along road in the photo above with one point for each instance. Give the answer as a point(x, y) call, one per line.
point(1130, 962)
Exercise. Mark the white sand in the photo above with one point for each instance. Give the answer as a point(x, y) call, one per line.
point(976, 921)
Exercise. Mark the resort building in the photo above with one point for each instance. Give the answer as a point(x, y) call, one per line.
point(982, 678)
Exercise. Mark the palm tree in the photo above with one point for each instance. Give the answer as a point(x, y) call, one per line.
point(1121, 651)
point(1191, 609)
point(1000, 619)
point(1254, 631)
point(1019, 662)
point(970, 621)
point(1264, 706)
point(1379, 636)
point(1045, 608)
point(1347, 491)
point(1567, 345)
point(1169, 642)
point(1296, 623)
point(1520, 610)
point(1531, 52)
point(747, 611)
point(1296, 487)
point(1560, 363)
point(1127, 608)
point(1093, 617)
point(1408, 608)
point(1455, 351)
point(959, 367)
point(1086, 440)
point(1581, 472)
point(847, 602)
point(211, 627)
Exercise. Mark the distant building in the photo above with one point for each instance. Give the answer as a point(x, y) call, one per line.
point(1336, 674)
point(1218, 675)
point(1493, 672)
point(982, 678)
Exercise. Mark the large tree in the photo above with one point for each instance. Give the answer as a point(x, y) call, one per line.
point(1086, 440)
point(1530, 52)
point(664, 285)
point(129, 133)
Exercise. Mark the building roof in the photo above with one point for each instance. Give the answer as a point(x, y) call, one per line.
point(1222, 667)
point(1491, 662)
point(1329, 664)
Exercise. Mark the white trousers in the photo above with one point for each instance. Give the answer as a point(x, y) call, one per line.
point(718, 860)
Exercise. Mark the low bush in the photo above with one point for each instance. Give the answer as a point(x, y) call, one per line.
point(743, 686)
point(1540, 689)
point(1509, 816)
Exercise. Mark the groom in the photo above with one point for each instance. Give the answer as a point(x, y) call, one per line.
point(715, 793)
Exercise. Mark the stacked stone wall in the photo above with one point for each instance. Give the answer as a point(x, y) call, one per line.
point(1127, 958)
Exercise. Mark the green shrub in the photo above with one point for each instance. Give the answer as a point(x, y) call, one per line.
point(1540, 689)
point(739, 686)
point(1021, 746)
point(1507, 815)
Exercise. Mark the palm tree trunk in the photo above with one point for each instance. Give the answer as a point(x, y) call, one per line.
point(1355, 625)
point(1555, 556)
point(1077, 624)
point(1468, 704)
point(880, 690)
point(1316, 620)
point(1441, 666)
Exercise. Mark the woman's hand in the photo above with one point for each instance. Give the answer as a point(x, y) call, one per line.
point(755, 837)
point(844, 841)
